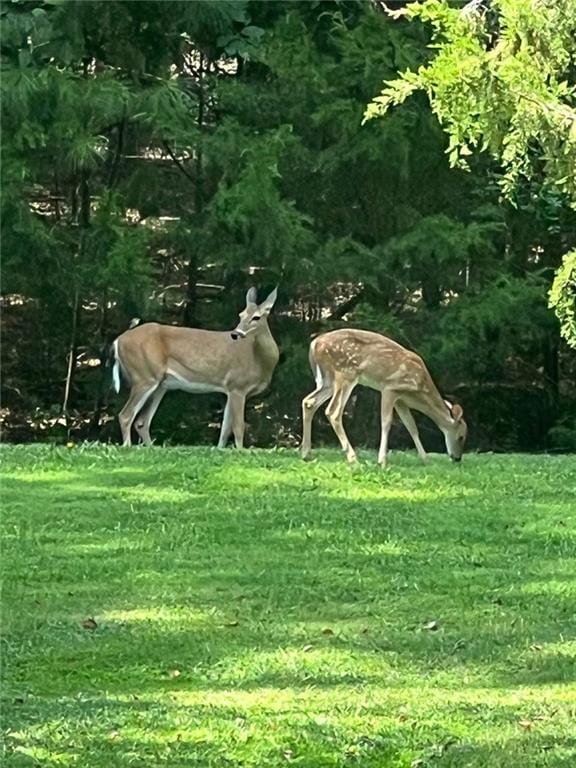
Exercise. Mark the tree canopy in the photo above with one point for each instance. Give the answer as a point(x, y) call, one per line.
point(160, 157)
point(502, 79)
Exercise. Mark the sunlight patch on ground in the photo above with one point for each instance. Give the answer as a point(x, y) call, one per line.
point(410, 700)
point(42, 756)
point(565, 648)
point(550, 587)
point(251, 477)
point(43, 476)
point(383, 548)
point(117, 545)
point(397, 494)
point(368, 488)
point(152, 495)
point(158, 614)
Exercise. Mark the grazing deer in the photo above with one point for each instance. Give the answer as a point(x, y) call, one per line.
point(157, 358)
point(342, 359)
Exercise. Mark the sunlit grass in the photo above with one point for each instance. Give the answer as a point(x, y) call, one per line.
point(252, 610)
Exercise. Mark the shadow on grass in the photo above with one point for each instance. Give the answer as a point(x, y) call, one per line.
point(354, 563)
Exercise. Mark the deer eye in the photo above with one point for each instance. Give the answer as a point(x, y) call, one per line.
point(255, 318)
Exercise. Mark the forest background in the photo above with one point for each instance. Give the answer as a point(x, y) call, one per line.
point(158, 158)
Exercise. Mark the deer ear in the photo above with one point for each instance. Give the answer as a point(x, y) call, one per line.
point(457, 412)
point(269, 301)
point(251, 296)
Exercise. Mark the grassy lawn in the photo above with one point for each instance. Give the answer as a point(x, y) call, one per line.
point(252, 610)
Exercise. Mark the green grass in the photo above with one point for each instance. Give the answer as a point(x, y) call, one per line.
point(256, 611)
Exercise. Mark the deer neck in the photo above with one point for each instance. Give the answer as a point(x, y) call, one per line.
point(432, 405)
point(265, 347)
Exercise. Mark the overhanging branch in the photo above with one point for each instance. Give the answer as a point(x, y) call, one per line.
point(177, 162)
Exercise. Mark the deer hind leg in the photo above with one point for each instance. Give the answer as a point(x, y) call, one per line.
point(310, 405)
point(408, 420)
point(386, 413)
point(139, 394)
point(335, 411)
point(144, 418)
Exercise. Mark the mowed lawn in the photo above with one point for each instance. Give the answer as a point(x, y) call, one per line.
point(189, 607)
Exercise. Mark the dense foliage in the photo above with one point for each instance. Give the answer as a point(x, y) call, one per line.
point(159, 157)
point(504, 80)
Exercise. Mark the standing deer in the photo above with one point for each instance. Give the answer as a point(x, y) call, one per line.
point(342, 359)
point(157, 358)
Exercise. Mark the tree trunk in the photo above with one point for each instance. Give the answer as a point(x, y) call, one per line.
point(71, 355)
point(190, 307)
point(190, 318)
point(99, 398)
point(84, 223)
point(551, 368)
point(431, 292)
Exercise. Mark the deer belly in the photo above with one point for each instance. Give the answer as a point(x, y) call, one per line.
point(366, 381)
point(175, 381)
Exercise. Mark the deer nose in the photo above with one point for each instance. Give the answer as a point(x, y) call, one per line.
point(237, 334)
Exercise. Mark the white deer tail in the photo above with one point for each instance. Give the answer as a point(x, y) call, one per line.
point(116, 368)
point(316, 370)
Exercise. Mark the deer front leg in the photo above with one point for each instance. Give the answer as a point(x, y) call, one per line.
point(335, 411)
point(138, 396)
point(237, 403)
point(386, 413)
point(310, 405)
point(226, 429)
point(408, 420)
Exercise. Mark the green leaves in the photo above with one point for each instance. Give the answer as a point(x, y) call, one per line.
point(244, 45)
point(506, 95)
point(508, 91)
point(249, 210)
point(396, 92)
point(562, 297)
point(168, 109)
point(85, 152)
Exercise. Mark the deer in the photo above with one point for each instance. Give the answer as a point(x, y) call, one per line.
point(344, 358)
point(156, 358)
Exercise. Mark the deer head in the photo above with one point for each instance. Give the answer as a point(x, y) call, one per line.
point(455, 434)
point(254, 315)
